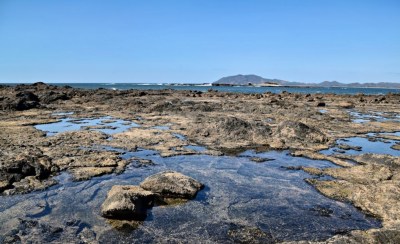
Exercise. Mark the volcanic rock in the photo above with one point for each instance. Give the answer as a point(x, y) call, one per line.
point(127, 202)
point(172, 184)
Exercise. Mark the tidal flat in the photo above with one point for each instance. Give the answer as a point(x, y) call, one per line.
point(276, 168)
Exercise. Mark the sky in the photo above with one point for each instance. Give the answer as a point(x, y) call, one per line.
point(199, 41)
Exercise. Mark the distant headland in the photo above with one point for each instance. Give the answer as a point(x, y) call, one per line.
point(255, 80)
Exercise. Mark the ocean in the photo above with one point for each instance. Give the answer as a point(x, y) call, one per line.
point(239, 89)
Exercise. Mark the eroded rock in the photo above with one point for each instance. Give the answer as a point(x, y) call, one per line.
point(127, 202)
point(297, 134)
point(172, 184)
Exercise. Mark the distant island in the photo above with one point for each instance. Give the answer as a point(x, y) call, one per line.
point(255, 80)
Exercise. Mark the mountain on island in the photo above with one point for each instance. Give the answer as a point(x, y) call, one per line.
point(247, 80)
point(255, 80)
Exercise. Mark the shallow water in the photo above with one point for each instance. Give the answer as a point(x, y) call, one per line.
point(196, 148)
point(361, 118)
point(323, 111)
point(378, 146)
point(62, 113)
point(179, 136)
point(161, 127)
point(238, 192)
point(393, 134)
point(107, 124)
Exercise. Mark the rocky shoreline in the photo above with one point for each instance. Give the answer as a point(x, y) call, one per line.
point(222, 123)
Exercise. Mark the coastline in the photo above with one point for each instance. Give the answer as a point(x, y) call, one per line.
point(236, 89)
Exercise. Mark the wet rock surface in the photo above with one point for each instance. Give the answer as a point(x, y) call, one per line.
point(223, 123)
point(172, 184)
point(239, 195)
point(132, 202)
point(127, 202)
point(33, 231)
point(249, 235)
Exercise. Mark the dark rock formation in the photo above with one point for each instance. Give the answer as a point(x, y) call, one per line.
point(37, 166)
point(52, 96)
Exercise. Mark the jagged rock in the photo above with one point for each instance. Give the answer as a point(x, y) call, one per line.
point(349, 147)
point(36, 166)
point(22, 101)
point(127, 202)
point(293, 131)
point(172, 184)
point(229, 131)
point(52, 96)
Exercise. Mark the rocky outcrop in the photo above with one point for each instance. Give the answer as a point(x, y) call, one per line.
point(127, 202)
point(25, 97)
point(30, 169)
point(172, 184)
point(294, 134)
point(53, 96)
point(373, 185)
point(229, 131)
point(21, 101)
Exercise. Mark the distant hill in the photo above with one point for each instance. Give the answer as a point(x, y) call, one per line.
point(246, 80)
point(255, 80)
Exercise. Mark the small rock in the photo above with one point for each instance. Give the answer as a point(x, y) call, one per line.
point(322, 211)
point(339, 150)
point(346, 104)
point(395, 147)
point(127, 202)
point(260, 160)
point(251, 235)
point(349, 147)
point(172, 184)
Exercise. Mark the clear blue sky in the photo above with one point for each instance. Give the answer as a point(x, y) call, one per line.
point(199, 40)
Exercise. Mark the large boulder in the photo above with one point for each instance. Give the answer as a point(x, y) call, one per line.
point(172, 184)
point(127, 202)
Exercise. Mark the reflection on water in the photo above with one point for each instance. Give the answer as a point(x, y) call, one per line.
point(107, 124)
point(196, 148)
point(367, 146)
point(179, 136)
point(161, 127)
point(361, 118)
